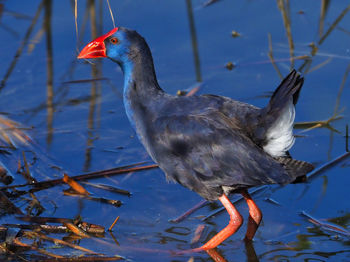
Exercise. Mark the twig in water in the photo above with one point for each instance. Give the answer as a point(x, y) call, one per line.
point(58, 241)
point(76, 230)
point(18, 242)
point(85, 226)
point(34, 205)
point(7, 205)
point(209, 2)
point(74, 185)
point(109, 188)
point(319, 124)
point(82, 81)
point(85, 259)
point(347, 138)
point(270, 200)
point(92, 175)
point(115, 203)
point(313, 174)
point(25, 170)
point(189, 212)
point(115, 221)
point(45, 228)
point(326, 226)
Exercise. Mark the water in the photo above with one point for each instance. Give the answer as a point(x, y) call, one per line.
point(86, 128)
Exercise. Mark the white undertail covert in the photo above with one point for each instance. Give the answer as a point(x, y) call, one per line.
point(279, 136)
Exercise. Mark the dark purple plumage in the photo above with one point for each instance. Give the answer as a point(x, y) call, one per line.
point(209, 144)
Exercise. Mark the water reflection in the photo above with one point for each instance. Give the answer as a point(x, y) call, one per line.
point(194, 40)
point(24, 43)
point(49, 68)
point(63, 99)
point(96, 88)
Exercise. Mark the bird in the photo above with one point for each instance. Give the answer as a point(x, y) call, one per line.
point(210, 144)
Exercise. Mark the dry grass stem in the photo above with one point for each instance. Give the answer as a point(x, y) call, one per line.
point(283, 5)
point(76, 230)
point(113, 224)
point(74, 185)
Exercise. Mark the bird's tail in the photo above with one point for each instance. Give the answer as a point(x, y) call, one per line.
point(296, 169)
point(289, 87)
point(277, 118)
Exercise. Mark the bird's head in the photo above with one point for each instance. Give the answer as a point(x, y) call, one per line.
point(127, 48)
point(116, 45)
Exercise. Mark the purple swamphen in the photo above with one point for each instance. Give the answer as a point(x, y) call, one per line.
point(210, 144)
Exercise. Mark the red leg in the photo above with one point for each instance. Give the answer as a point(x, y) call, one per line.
point(255, 216)
point(236, 221)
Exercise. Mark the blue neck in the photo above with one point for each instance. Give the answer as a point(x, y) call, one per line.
point(140, 89)
point(127, 68)
point(140, 81)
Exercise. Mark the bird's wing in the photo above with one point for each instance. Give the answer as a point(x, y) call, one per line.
point(209, 149)
point(271, 127)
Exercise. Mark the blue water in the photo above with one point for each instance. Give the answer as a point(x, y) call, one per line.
point(87, 133)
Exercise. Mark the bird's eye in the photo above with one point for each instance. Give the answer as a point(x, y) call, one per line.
point(113, 40)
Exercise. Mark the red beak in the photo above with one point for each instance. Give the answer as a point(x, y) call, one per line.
point(97, 47)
